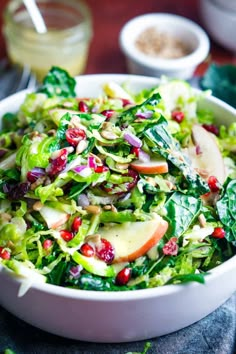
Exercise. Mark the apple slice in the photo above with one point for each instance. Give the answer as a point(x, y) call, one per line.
point(154, 166)
point(53, 217)
point(114, 90)
point(206, 156)
point(132, 240)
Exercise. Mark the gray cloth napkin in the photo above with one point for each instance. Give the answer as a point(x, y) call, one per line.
point(215, 334)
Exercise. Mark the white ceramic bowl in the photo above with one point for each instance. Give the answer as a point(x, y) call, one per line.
point(118, 316)
point(219, 19)
point(228, 4)
point(179, 27)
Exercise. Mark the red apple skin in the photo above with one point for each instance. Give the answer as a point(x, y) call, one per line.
point(53, 218)
point(209, 161)
point(151, 167)
point(134, 239)
point(60, 222)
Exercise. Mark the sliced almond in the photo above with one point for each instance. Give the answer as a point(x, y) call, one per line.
point(93, 209)
point(106, 134)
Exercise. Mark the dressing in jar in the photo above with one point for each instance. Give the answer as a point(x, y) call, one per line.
point(65, 44)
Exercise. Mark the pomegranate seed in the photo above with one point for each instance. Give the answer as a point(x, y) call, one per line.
point(47, 244)
point(171, 247)
point(105, 251)
point(58, 162)
point(126, 102)
point(66, 235)
point(214, 184)
point(123, 276)
point(135, 151)
point(218, 232)
point(76, 224)
point(108, 113)
point(178, 116)
point(35, 174)
point(101, 169)
point(212, 128)
point(87, 250)
point(83, 107)
point(4, 254)
point(75, 135)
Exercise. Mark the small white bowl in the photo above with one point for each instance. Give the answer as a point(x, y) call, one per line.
point(181, 28)
point(227, 5)
point(219, 19)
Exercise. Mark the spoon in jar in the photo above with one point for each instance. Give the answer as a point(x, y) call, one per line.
point(35, 16)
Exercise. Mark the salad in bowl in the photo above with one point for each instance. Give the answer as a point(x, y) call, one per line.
point(117, 192)
point(117, 205)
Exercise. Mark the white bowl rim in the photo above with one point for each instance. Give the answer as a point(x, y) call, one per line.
point(128, 295)
point(190, 60)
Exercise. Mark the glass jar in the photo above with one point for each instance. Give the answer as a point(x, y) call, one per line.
point(65, 44)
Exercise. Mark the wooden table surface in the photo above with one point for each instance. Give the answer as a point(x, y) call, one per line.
point(109, 16)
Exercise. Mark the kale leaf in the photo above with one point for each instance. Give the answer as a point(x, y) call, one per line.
point(160, 141)
point(58, 83)
point(181, 211)
point(58, 274)
point(221, 80)
point(93, 282)
point(185, 278)
point(226, 208)
point(129, 115)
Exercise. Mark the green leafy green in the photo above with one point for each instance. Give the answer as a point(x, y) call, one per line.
point(128, 116)
point(160, 140)
point(226, 208)
point(58, 83)
point(221, 80)
point(58, 274)
point(181, 211)
point(118, 217)
point(9, 351)
point(185, 278)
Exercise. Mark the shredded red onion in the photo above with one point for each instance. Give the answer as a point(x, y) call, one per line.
point(35, 173)
point(92, 162)
point(143, 156)
point(125, 197)
point(132, 139)
point(95, 109)
point(83, 200)
point(83, 171)
point(75, 271)
point(73, 164)
point(144, 115)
